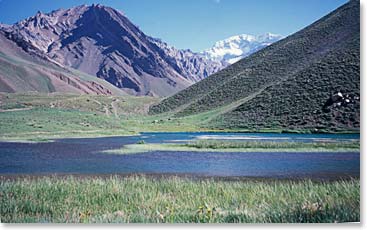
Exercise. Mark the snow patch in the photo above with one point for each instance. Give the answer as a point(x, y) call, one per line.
point(234, 48)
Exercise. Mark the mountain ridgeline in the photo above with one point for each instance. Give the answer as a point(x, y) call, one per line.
point(102, 42)
point(235, 48)
point(309, 80)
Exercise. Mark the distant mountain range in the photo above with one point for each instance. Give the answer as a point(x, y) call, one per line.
point(237, 47)
point(101, 41)
point(309, 80)
point(3, 25)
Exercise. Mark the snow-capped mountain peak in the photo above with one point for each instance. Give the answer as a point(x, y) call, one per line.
point(234, 48)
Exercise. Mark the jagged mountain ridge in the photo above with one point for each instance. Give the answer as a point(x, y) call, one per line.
point(189, 63)
point(3, 25)
point(101, 41)
point(235, 48)
point(309, 80)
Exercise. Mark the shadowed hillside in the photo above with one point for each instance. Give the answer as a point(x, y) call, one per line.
point(309, 80)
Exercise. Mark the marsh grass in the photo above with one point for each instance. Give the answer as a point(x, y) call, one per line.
point(217, 144)
point(177, 200)
point(239, 146)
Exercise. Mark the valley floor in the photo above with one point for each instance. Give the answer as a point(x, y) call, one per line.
point(43, 117)
point(40, 117)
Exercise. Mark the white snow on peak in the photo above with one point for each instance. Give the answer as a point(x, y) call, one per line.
point(4, 25)
point(234, 48)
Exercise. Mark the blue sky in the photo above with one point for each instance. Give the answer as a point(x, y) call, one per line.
point(194, 24)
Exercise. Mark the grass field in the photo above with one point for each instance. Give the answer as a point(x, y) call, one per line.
point(177, 200)
point(233, 146)
point(34, 116)
point(37, 116)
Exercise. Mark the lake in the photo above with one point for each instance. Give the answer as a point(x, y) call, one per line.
point(85, 156)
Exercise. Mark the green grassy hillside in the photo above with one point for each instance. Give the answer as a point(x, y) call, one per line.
point(31, 116)
point(44, 116)
point(292, 84)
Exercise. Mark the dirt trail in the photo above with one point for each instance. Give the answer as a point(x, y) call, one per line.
point(105, 107)
point(14, 110)
point(114, 107)
point(107, 111)
point(99, 103)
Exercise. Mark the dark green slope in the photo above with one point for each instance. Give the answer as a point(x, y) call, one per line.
point(288, 84)
point(302, 100)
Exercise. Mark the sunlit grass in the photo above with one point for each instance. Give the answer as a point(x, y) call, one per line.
point(177, 200)
point(239, 146)
point(218, 144)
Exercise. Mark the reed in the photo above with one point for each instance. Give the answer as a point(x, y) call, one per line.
point(177, 200)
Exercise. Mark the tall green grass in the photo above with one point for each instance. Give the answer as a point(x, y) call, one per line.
point(177, 200)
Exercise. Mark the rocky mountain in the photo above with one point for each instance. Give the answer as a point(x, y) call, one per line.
point(101, 41)
point(309, 81)
point(237, 47)
point(22, 71)
point(3, 25)
point(193, 65)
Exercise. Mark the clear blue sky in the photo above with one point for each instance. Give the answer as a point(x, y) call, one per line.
point(194, 24)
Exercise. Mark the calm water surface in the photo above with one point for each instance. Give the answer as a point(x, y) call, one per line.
point(84, 156)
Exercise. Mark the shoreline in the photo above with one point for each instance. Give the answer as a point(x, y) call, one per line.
point(53, 139)
point(165, 176)
point(252, 147)
point(47, 138)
